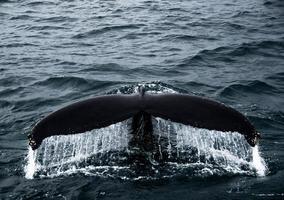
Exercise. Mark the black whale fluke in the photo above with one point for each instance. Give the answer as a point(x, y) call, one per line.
point(103, 111)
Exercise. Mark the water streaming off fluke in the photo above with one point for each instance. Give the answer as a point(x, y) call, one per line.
point(104, 152)
point(59, 154)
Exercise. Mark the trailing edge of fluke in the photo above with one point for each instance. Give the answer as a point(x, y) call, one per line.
point(105, 110)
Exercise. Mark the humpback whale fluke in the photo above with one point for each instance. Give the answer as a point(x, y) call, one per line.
point(105, 110)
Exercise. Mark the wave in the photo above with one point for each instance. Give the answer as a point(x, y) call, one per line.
point(5, 1)
point(18, 44)
point(14, 80)
point(39, 3)
point(275, 3)
point(134, 73)
point(103, 30)
point(235, 26)
point(65, 82)
point(34, 103)
point(136, 35)
point(21, 17)
point(245, 48)
point(252, 87)
point(184, 37)
point(45, 27)
point(107, 67)
point(229, 55)
point(57, 19)
point(72, 87)
point(254, 48)
point(5, 104)
point(277, 79)
point(9, 92)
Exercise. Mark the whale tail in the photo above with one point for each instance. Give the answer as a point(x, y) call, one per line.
point(103, 111)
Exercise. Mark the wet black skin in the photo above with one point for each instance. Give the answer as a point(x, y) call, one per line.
point(103, 111)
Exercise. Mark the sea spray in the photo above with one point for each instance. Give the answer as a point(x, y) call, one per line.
point(30, 167)
point(258, 162)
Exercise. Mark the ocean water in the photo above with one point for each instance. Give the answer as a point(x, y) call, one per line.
point(53, 53)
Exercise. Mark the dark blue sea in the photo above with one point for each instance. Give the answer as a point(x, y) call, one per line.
point(57, 52)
